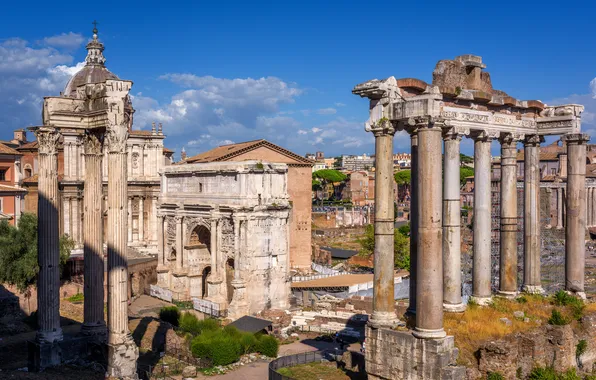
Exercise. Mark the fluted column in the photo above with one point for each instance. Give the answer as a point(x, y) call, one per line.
point(129, 225)
point(532, 283)
point(48, 252)
point(414, 212)
point(575, 231)
point(94, 323)
point(213, 237)
point(122, 350)
point(508, 201)
point(141, 219)
point(429, 300)
point(180, 242)
point(383, 292)
point(560, 208)
point(160, 239)
point(481, 276)
point(452, 297)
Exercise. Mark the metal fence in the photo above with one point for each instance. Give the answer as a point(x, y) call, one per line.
point(292, 360)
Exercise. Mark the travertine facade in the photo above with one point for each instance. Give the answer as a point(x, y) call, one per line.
point(224, 235)
point(461, 101)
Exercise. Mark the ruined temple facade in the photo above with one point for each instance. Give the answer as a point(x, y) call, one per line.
point(461, 102)
point(223, 232)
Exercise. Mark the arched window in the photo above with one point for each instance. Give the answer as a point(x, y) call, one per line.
point(200, 235)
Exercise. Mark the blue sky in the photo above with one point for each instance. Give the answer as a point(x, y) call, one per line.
point(283, 71)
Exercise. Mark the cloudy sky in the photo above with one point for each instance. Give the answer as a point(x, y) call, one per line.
point(283, 71)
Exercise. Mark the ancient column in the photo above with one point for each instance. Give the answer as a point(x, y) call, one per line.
point(532, 282)
point(180, 242)
point(383, 314)
point(575, 231)
point(129, 220)
point(429, 300)
point(414, 212)
point(141, 219)
point(48, 252)
point(94, 323)
point(239, 305)
point(122, 350)
point(559, 208)
point(481, 275)
point(160, 239)
point(591, 207)
point(452, 297)
point(508, 235)
point(213, 238)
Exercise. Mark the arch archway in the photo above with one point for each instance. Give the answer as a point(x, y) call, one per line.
point(205, 286)
point(200, 235)
point(229, 278)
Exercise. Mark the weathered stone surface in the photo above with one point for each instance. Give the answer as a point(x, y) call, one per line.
point(506, 321)
point(189, 371)
point(519, 314)
point(497, 357)
point(122, 360)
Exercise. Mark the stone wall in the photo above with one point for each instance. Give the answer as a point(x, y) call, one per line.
point(399, 355)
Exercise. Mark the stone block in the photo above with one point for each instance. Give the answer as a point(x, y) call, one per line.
point(45, 355)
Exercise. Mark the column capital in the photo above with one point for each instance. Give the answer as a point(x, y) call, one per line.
point(93, 142)
point(454, 133)
point(509, 138)
point(117, 137)
point(533, 140)
point(576, 138)
point(484, 136)
point(47, 138)
point(178, 218)
point(382, 127)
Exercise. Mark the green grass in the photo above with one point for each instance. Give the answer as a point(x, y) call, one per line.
point(314, 371)
point(79, 297)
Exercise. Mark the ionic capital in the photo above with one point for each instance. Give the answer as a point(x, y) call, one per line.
point(533, 140)
point(484, 136)
point(47, 139)
point(576, 138)
point(93, 142)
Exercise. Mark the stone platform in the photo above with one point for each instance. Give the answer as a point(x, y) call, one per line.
point(71, 349)
point(399, 355)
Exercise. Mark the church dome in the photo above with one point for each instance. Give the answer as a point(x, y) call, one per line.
point(94, 71)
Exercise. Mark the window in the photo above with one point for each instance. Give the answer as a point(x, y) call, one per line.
point(2, 174)
point(200, 187)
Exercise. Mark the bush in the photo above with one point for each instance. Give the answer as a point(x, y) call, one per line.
point(268, 346)
point(248, 343)
point(224, 350)
point(581, 348)
point(170, 314)
point(189, 323)
point(232, 332)
point(577, 306)
point(557, 319)
point(494, 376)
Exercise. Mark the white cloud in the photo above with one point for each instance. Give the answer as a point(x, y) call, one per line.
point(68, 40)
point(327, 111)
point(316, 130)
point(338, 104)
point(302, 132)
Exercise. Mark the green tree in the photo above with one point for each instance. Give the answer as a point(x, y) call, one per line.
point(403, 177)
point(401, 247)
point(464, 172)
point(18, 252)
point(328, 176)
point(463, 159)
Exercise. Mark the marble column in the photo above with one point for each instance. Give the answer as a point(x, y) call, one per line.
point(239, 304)
point(559, 208)
point(94, 322)
point(452, 295)
point(429, 286)
point(591, 207)
point(141, 219)
point(383, 314)
point(48, 252)
point(481, 275)
point(213, 238)
point(129, 220)
point(508, 233)
point(122, 350)
point(532, 282)
point(575, 231)
point(180, 242)
point(160, 239)
point(414, 212)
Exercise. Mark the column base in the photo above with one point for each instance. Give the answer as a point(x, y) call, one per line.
point(481, 300)
point(428, 333)
point(98, 332)
point(122, 360)
point(580, 295)
point(507, 294)
point(533, 289)
point(49, 336)
point(454, 308)
point(380, 319)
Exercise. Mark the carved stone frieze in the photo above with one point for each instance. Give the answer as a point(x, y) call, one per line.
point(47, 139)
point(170, 230)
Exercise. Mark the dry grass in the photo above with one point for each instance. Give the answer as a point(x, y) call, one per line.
point(481, 324)
point(314, 371)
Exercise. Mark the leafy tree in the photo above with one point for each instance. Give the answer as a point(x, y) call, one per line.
point(404, 229)
point(403, 177)
point(18, 252)
point(464, 172)
point(401, 247)
point(327, 176)
point(463, 159)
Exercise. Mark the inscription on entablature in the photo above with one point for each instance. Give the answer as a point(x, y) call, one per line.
point(487, 119)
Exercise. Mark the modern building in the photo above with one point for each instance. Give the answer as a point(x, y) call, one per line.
point(11, 194)
point(354, 163)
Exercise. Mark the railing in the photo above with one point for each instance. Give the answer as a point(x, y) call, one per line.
point(292, 360)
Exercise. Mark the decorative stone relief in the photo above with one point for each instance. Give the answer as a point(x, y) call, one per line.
point(47, 139)
point(135, 160)
point(227, 237)
point(93, 142)
point(170, 230)
point(116, 137)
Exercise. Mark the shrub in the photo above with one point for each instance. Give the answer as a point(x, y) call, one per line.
point(268, 346)
point(170, 314)
point(521, 299)
point(248, 343)
point(200, 348)
point(540, 373)
point(494, 376)
point(189, 323)
point(556, 319)
point(232, 332)
point(577, 306)
point(581, 348)
point(224, 350)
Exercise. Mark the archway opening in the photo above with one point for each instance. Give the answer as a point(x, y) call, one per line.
point(200, 235)
point(205, 287)
point(229, 278)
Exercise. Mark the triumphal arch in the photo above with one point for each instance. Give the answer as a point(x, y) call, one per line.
point(100, 112)
point(461, 103)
